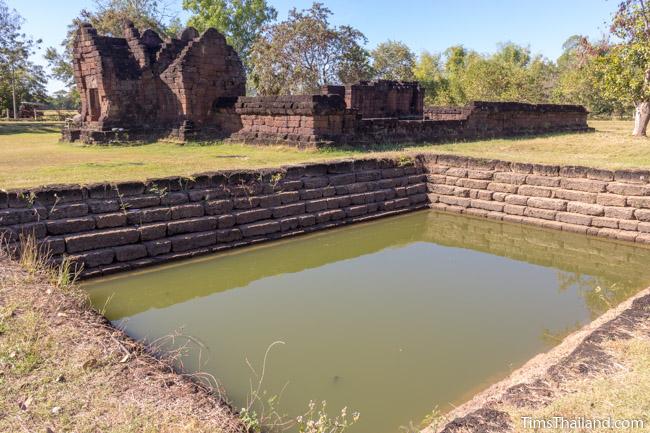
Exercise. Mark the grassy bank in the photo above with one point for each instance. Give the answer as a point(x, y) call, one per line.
point(31, 155)
point(64, 368)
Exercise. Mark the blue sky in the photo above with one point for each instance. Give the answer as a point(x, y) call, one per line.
point(423, 25)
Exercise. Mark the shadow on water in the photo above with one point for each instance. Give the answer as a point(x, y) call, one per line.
point(606, 272)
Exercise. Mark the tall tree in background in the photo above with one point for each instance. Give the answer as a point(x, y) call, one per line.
point(428, 71)
point(20, 79)
point(108, 17)
point(305, 52)
point(241, 21)
point(393, 60)
point(623, 68)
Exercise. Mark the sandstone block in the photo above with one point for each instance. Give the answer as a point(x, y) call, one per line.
point(150, 232)
point(502, 187)
point(187, 211)
point(586, 185)
point(627, 189)
point(487, 205)
point(143, 216)
point(110, 220)
point(130, 252)
point(191, 225)
point(539, 180)
point(218, 207)
point(290, 209)
point(193, 241)
point(604, 222)
point(574, 218)
point(586, 208)
point(535, 191)
point(624, 213)
point(581, 196)
point(547, 203)
point(93, 259)
point(101, 239)
point(229, 235)
point(225, 221)
point(540, 213)
point(511, 178)
point(260, 228)
point(71, 210)
point(158, 247)
point(611, 199)
point(71, 225)
point(103, 206)
point(249, 216)
point(640, 202)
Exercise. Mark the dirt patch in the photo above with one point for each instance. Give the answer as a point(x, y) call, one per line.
point(63, 367)
point(583, 356)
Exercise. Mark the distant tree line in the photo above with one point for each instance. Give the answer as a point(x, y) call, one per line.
point(299, 54)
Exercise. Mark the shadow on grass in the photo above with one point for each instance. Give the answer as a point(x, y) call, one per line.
point(9, 128)
point(401, 146)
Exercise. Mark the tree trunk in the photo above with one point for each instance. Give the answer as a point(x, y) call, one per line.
point(641, 118)
point(13, 92)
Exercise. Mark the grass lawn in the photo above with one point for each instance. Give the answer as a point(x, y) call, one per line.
point(31, 155)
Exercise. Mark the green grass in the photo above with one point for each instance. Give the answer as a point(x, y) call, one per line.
point(31, 155)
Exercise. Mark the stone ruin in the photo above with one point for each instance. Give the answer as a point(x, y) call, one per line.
point(143, 88)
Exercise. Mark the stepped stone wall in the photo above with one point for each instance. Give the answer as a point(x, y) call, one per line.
point(609, 203)
point(114, 227)
point(109, 228)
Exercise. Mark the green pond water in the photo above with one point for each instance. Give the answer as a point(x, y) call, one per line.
point(390, 318)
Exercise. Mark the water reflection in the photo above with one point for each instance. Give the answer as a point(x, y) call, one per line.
point(389, 318)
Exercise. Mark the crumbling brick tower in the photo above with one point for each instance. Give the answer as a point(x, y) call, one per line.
point(141, 87)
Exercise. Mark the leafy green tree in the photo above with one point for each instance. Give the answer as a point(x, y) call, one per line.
point(241, 21)
point(579, 82)
point(20, 79)
point(428, 71)
point(623, 69)
point(305, 52)
point(393, 60)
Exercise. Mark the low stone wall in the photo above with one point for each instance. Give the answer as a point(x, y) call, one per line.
point(329, 120)
point(109, 228)
point(613, 204)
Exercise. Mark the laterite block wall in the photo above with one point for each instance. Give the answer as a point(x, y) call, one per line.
point(608, 203)
point(109, 228)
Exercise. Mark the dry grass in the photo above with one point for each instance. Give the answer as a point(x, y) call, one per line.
point(31, 155)
point(64, 368)
point(624, 394)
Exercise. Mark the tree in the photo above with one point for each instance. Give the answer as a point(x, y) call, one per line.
point(623, 68)
point(304, 52)
point(428, 72)
point(393, 60)
point(579, 79)
point(241, 21)
point(19, 77)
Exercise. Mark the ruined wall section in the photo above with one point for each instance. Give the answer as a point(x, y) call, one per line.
point(305, 120)
point(140, 86)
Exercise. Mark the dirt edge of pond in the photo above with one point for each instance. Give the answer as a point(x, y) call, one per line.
point(582, 355)
point(64, 367)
